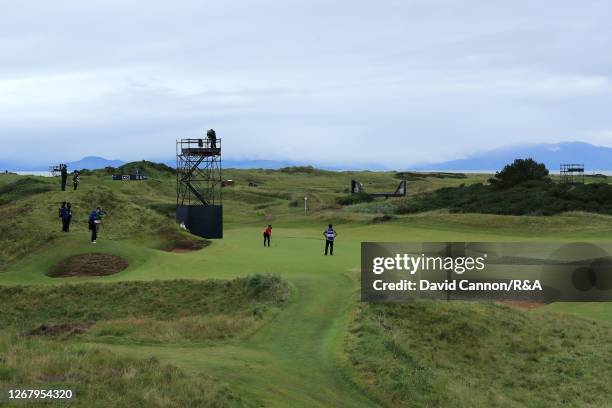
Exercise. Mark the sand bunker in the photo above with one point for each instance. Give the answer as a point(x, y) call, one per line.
point(88, 265)
point(59, 329)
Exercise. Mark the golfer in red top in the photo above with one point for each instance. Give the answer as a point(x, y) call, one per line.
point(267, 234)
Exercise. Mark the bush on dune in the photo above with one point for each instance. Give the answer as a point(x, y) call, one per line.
point(521, 188)
point(528, 198)
point(301, 170)
point(146, 167)
point(354, 199)
point(520, 171)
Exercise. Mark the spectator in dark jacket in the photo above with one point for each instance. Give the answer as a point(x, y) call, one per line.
point(76, 179)
point(94, 220)
point(68, 217)
point(64, 174)
point(61, 213)
point(212, 137)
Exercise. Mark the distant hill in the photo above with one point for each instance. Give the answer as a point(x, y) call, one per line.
point(89, 163)
point(94, 163)
point(552, 155)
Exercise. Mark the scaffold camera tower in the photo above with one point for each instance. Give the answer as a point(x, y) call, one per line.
point(199, 204)
point(572, 173)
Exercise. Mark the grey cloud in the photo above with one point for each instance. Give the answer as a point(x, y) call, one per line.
point(398, 82)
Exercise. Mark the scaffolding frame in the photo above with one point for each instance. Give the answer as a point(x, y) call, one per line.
point(198, 172)
point(572, 173)
point(56, 170)
point(400, 191)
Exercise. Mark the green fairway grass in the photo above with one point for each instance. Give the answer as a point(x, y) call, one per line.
point(591, 310)
point(304, 353)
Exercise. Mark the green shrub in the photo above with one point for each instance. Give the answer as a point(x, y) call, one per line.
point(302, 170)
point(520, 171)
point(354, 199)
point(533, 197)
point(146, 167)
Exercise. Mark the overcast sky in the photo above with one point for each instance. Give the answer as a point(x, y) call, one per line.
point(394, 82)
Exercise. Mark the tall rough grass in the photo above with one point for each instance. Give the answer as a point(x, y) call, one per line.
point(463, 354)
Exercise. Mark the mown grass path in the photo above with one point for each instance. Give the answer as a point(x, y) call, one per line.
point(294, 360)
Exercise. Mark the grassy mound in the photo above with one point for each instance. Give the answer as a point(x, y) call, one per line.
point(30, 223)
point(91, 264)
point(28, 306)
point(48, 333)
point(145, 167)
point(479, 354)
point(23, 188)
point(151, 169)
point(102, 378)
point(529, 198)
point(126, 217)
point(301, 170)
point(174, 240)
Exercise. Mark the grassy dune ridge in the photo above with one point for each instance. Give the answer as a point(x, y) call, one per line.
point(24, 306)
point(29, 205)
point(479, 354)
point(102, 378)
point(49, 333)
point(191, 322)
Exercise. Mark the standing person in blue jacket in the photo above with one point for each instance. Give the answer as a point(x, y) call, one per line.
point(62, 215)
point(94, 220)
point(330, 234)
point(65, 215)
